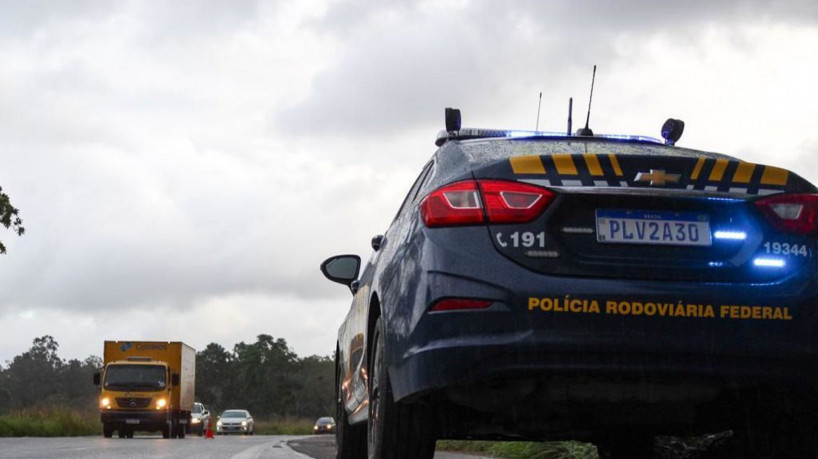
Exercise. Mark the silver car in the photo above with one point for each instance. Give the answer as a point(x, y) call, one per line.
point(235, 421)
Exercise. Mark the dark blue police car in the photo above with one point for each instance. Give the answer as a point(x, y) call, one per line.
point(601, 288)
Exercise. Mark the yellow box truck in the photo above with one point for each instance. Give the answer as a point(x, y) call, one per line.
point(146, 386)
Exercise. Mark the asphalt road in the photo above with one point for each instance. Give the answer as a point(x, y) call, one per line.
point(234, 447)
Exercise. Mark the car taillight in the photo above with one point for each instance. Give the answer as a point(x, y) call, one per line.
point(471, 202)
point(513, 202)
point(792, 213)
point(455, 204)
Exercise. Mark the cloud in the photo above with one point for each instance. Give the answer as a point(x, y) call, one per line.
point(406, 62)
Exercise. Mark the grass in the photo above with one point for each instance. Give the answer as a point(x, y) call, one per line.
point(284, 426)
point(49, 422)
point(67, 422)
point(523, 450)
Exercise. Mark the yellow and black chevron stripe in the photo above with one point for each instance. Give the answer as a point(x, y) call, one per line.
point(610, 170)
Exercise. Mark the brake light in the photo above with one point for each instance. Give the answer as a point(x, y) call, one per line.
point(455, 204)
point(460, 304)
point(471, 202)
point(792, 213)
point(514, 202)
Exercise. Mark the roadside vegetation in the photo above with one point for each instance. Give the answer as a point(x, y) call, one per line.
point(284, 426)
point(523, 450)
point(44, 395)
point(49, 422)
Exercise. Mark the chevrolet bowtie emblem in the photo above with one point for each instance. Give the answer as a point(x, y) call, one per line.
point(657, 177)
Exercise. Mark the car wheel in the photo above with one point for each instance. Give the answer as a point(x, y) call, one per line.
point(350, 441)
point(394, 430)
point(625, 446)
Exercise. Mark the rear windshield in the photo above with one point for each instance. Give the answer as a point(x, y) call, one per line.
point(482, 151)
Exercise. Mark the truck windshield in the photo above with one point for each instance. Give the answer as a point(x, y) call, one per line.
point(135, 377)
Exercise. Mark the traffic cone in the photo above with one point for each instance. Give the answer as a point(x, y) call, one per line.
point(209, 429)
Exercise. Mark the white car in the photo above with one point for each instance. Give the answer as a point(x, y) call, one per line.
point(235, 421)
point(199, 418)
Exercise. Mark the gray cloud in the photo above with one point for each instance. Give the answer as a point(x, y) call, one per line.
point(478, 54)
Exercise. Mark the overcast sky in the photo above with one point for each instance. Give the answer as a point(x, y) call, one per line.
point(182, 168)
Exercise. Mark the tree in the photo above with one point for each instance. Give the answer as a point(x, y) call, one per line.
point(33, 377)
point(9, 217)
point(214, 376)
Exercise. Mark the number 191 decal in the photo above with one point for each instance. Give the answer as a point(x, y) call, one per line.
point(525, 239)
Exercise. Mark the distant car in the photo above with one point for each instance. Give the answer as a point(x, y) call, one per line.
point(235, 421)
point(199, 418)
point(324, 425)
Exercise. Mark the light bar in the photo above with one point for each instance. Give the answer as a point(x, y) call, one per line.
point(472, 133)
point(766, 262)
point(731, 235)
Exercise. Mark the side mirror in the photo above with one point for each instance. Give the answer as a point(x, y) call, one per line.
point(174, 379)
point(97, 378)
point(342, 268)
point(377, 242)
point(206, 413)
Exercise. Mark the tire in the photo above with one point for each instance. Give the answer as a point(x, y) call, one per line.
point(129, 433)
point(625, 446)
point(166, 430)
point(181, 431)
point(350, 441)
point(121, 433)
point(394, 430)
point(107, 430)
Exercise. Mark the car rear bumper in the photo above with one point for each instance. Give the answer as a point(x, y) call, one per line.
point(539, 326)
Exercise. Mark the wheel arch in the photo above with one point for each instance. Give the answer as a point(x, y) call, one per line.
point(373, 315)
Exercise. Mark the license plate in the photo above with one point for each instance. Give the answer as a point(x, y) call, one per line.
point(132, 421)
point(648, 227)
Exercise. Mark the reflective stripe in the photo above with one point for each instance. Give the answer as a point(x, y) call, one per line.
point(774, 176)
point(718, 170)
point(527, 165)
point(744, 172)
point(697, 169)
point(565, 164)
point(615, 164)
point(593, 165)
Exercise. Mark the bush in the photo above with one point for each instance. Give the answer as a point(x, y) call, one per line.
point(524, 450)
point(284, 426)
point(49, 422)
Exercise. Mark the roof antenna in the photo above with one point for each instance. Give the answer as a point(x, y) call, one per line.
point(539, 104)
point(586, 130)
point(570, 111)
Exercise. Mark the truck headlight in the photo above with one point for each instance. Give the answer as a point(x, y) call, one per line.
point(105, 403)
point(161, 403)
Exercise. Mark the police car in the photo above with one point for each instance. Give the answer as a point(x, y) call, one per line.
point(604, 288)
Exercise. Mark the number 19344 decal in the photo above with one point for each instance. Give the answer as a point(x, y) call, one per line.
point(784, 248)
